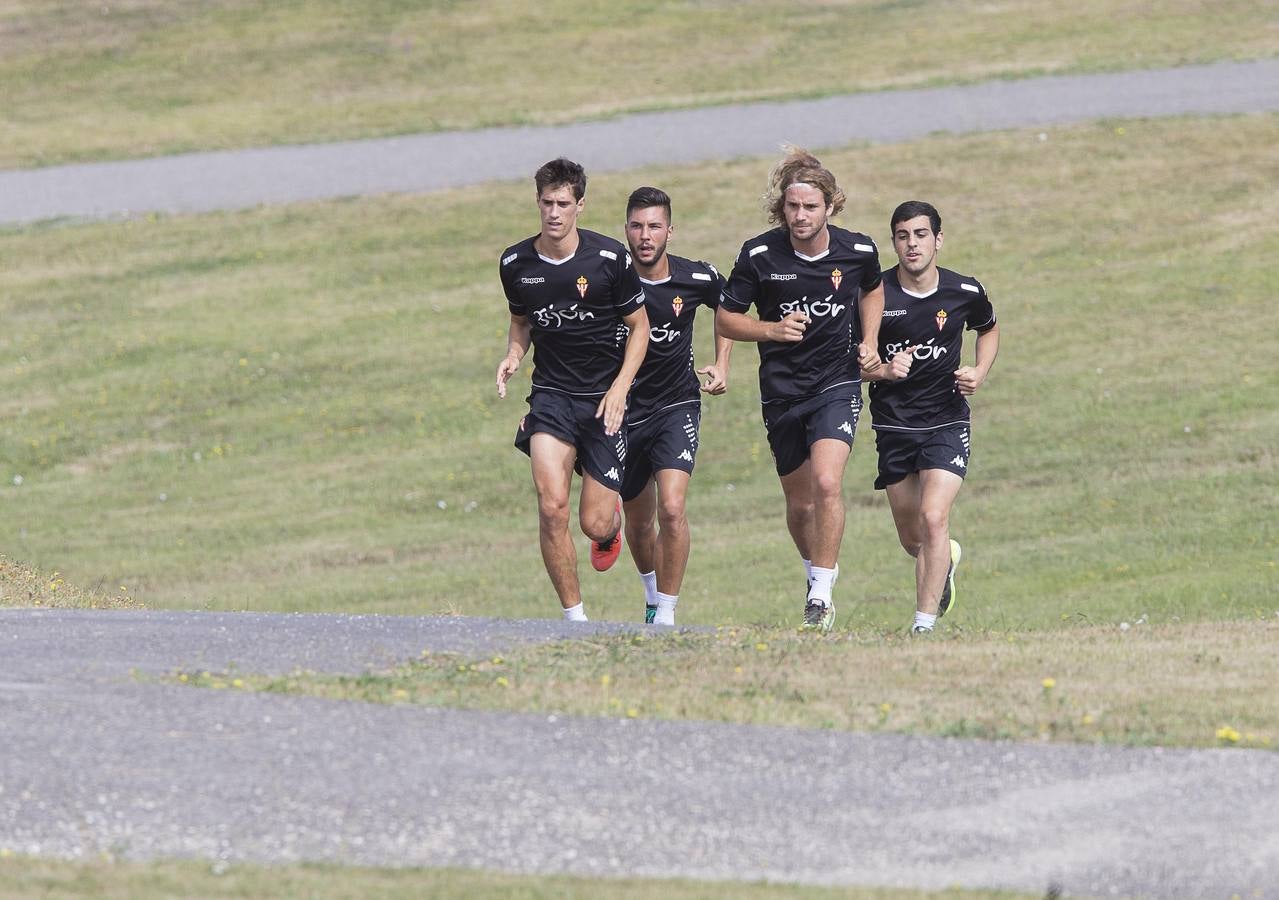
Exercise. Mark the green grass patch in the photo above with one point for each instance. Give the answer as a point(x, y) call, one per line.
point(110, 880)
point(1172, 685)
point(23, 586)
point(293, 409)
point(147, 77)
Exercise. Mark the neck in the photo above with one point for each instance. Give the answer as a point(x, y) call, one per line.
point(660, 268)
point(814, 245)
point(557, 249)
point(922, 283)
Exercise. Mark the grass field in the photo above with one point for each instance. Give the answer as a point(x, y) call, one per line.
point(143, 77)
point(54, 880)
point(292, 409)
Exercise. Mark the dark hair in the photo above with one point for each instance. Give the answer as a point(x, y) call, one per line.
point(800, 166)
point(644, 197)
point(561, 173)
point(912, 208)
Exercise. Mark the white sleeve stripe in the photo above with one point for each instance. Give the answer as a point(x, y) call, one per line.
point(609, 254)
point(990, 321)
point(702, 276)
point(970, 287)
point(510, 259)
point(757, 250)
point(865, 248)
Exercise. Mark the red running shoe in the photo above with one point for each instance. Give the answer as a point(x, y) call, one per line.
point(604, 554)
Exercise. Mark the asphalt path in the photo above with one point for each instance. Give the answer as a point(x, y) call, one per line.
point(201, 182)
point(98, 755)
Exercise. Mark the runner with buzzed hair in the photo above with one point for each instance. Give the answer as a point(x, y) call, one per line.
point(817, 291)
point(572, 294)
point(664, 417)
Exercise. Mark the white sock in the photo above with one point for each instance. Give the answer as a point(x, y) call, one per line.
point(650, 587)
point(808, 569)
point(924, 620)
point(575, 613)
point(665, 609)
point(819, 589)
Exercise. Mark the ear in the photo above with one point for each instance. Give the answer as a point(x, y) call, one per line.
point(939, 239)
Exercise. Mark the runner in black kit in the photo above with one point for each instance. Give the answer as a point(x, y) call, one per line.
point(572, 294)
point(918, 399)
point(813, 284)
point(665, 408)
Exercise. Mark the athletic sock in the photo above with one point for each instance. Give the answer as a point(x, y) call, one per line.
point(650, 587)
point(575, 613)
point(665, 609)
point(923, 621)
point(819, 589)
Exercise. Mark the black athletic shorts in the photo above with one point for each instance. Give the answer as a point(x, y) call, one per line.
point(572, 420)
point(903, 453)
point(794, 426)
point(665, 440)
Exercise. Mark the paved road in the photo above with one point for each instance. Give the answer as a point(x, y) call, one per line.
point(93, 760)
point(200, 182)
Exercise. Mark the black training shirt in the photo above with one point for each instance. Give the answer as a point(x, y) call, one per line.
point(668, 377)
point(575, 307)
point(927, 398)
point(770, 274)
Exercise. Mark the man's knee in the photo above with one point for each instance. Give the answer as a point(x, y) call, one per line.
point(670, 513)
point(935, 521)
point(828, 485)
point(552, 510)
point(598, 524)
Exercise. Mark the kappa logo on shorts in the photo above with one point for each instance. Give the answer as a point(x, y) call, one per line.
point(582, 284)
point(612, 473)
point(686, 456)
point(846, 427)
point(959, 461)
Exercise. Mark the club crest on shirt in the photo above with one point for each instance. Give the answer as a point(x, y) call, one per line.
point(677, 304)
point(581, 285)
point(941, 319)
point(836, 277)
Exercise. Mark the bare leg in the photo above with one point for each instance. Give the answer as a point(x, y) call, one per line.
point(827, 461)
point(673, 539)
point(597, 510)
point(552, 461)
point(641, 529)
point(938, 489)
point(801, 515)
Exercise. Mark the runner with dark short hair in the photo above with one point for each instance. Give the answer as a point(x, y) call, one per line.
point(572, 294)
point(665, 412)
point(816, 288)
point(919, 399)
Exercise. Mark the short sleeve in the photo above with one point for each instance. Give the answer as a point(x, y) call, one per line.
point(506, 273)
point(742, 287)
point(713, 282)
point(981, 314)
point(871, 275)
point(628, 293)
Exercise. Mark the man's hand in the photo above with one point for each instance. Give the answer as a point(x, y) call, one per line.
point(899, 365)
point(505, 369)
point(790, 329)
point(867, 358)
point(716, 380)
point(612, 408)
point(968, 379)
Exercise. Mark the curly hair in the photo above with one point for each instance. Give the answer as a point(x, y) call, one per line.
point(799, 166)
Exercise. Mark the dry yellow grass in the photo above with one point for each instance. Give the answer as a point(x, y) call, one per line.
point(1177, 684)
point(22, 585)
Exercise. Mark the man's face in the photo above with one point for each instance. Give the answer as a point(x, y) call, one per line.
point(916, 245)
point(805, 210)
point(647, 231)
point(559, 210)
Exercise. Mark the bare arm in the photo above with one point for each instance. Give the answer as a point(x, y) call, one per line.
point(970, 378)
point(740, 327)
point(518, 338)
point(613, 407)
point(717, 373)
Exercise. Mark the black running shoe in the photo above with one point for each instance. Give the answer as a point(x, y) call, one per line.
point(819, 616)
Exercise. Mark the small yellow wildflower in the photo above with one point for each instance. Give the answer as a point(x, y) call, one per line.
point(605, 680)
point(1049, 683)
point(400, 694)
point(502, 682)
point(1227, 735)
point(761, 646)
point(238, 683)
point(885, 708)
point(632, 713)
